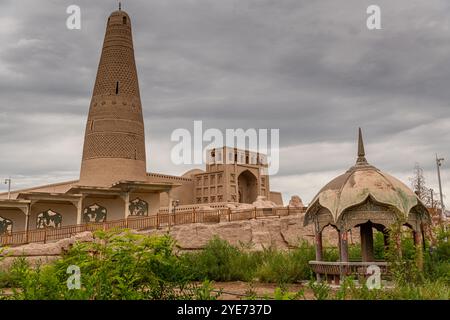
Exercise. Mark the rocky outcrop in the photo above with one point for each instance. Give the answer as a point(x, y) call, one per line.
point(281, 233)
point(48, 249)
point(262, 202)
point(40, 253)
point(296, 202)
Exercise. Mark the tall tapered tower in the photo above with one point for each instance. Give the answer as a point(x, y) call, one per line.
point(114, 143)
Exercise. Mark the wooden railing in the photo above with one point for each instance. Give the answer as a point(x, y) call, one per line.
point(142, 223)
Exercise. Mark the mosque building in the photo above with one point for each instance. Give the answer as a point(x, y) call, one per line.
point(114, 182)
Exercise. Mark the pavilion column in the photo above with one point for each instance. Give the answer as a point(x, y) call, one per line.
point(79, 206)
point(127, 204)
point(366, 242)
point(318, 243)
point(27, 221)
point(343, 237)
point(170, 205)
point(418, 244)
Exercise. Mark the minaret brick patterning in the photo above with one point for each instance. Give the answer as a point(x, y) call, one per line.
point(114, 143)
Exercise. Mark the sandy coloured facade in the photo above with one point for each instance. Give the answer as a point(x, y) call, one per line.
point(114, 183)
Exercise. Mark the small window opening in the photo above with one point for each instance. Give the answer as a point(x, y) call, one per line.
point(117, 87)
point(124, 20)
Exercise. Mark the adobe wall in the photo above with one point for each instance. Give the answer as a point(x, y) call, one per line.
point(276, 197)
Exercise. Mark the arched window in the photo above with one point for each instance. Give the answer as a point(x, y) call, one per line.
point(48, 219)
point(94, 213)
point(124, 20)
point(6, 226)
point(138, 207)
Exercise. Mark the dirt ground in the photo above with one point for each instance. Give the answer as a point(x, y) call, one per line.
point(238, 290)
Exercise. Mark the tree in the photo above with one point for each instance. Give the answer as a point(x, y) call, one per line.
point(419, 186)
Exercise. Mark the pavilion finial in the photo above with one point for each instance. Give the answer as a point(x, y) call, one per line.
point(361, 153)
point(120, 5)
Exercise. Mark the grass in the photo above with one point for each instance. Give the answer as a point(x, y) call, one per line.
point(122, 265)
point(220, 261)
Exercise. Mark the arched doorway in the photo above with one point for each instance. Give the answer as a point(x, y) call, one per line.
point(248, 187)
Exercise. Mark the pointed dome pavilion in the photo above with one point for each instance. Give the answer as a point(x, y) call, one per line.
point(364, 197)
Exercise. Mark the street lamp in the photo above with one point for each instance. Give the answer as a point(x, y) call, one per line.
point(175, 204)
point(438, 165)
point(8, 182)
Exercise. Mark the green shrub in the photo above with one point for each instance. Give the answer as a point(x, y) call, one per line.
point(117, 266)
point(286, 267)
point(220, 261)
point(207, 292)
point(354, 252)
point(330, 254)
point(6, 280)
point(378, 246)
point(429, 290)
point(282, 293)
point(123, 265)
point(441, 251)
point(437, 258)
point(321, 290)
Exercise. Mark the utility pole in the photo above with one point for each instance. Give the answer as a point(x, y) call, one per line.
point(8, 182)
point(432, 198)
point(438, 165)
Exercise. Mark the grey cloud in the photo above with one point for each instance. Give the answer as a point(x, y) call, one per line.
point(309, 68)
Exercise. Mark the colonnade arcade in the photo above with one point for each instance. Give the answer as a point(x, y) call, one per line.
point(36, 210)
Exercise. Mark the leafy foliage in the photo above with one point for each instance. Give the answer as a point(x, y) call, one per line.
point(220, 261)
point(124, 265)
point(117, 266)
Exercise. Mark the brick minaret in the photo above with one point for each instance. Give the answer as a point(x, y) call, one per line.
point(114, 143)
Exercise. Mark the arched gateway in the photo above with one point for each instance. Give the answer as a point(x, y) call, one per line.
point(248, 187)
point(367, 198)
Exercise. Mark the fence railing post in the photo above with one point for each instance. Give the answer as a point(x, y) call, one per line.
point(169, 220)
point(45, 235)
point(254, 215)
point(157, 220)
point(194, 215)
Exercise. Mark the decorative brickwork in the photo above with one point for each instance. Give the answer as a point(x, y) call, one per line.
point(115, 126)
point(114, 145)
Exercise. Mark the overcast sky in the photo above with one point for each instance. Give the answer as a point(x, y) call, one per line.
point(309, 68)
